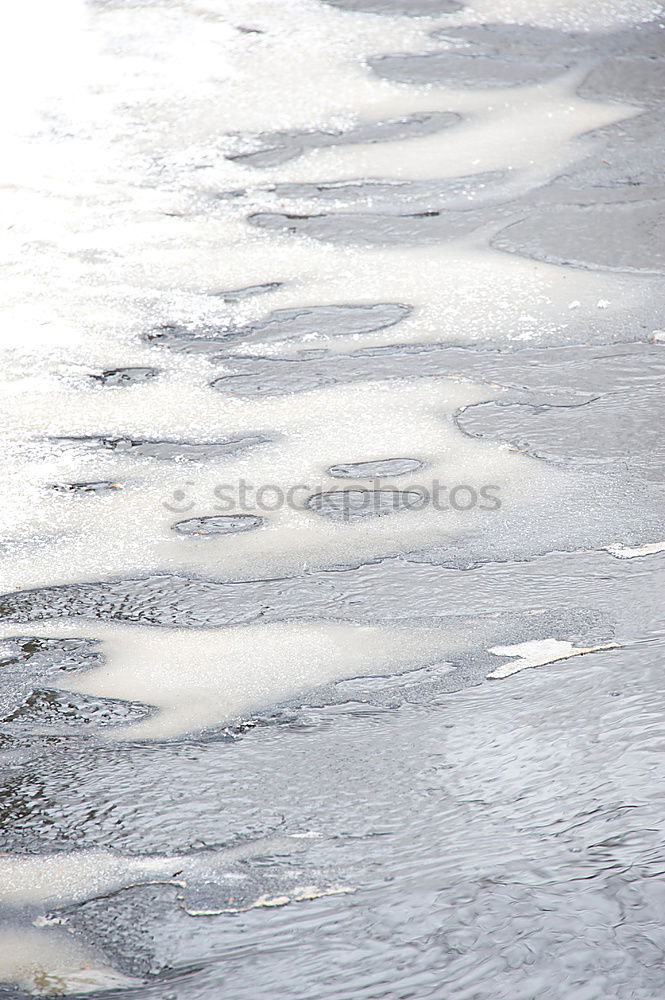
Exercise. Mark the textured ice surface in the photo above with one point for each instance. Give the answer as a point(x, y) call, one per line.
point(446, 275)
point(390, 467)
point(618, 431)
point(212, 677)
point(432, 419)
point(395, 196)
point(86, 487)
point(478, 495)
point(126, 376)
point(193, 451)
point(285, 324)
point(238, 294)
point(204, 679)
point(68, 878)
point(280, 147)
point(222, 524)
point(616, 237)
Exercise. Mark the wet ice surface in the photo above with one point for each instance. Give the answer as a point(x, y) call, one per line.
point(280, 147)
point(283, 325)
point(224, 524)
point(165, 450)
point(354, 743)
point(126, 376)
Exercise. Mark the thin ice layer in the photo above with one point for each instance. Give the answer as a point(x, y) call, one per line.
point(473, 487)
point(213, 676)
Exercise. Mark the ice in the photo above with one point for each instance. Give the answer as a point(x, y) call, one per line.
point(202, 678)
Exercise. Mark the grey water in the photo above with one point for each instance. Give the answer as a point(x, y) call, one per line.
point(332, 529)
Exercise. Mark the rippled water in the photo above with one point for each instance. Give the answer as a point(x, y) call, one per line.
point(331, 528)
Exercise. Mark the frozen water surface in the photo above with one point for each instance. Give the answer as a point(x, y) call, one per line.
point(332, 519)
